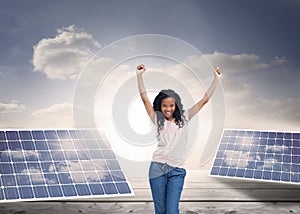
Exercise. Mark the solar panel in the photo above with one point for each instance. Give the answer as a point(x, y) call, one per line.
point(258, 155)
point(58, 164)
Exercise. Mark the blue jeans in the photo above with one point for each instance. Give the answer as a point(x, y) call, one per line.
point(166, 184)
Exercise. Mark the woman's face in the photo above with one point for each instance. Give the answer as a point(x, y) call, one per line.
point(168, 107)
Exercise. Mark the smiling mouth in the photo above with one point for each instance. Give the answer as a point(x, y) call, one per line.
point(168, 114)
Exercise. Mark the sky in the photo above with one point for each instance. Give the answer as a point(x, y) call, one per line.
point(45, 45)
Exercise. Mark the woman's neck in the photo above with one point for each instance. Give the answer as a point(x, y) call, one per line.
point(170, 119)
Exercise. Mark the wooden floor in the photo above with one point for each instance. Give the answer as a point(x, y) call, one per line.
point(201, 194)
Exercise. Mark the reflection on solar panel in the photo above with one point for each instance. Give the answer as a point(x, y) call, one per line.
point(258, 155)
point(58, 164)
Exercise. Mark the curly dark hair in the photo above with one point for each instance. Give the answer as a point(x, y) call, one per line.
point(178, 113)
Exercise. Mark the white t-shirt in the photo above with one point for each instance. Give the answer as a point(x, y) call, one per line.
point(172, 143)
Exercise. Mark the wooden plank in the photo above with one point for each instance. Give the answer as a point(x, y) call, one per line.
point(143, 207)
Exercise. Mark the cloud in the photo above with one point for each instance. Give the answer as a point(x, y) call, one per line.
point(55, 116)
point(251, 100)
point(276, 148)
point(241, 62)
point(246, 105)
point(58, 115)
point(237, 158)
point(65, 55)
point(36, 175)
point(269, 163)
point(20, 155)
point(247, 109)
point(94, 170)
point(14, 106)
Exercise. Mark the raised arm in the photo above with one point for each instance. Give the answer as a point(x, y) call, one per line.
point(140, 69)
point(196, 108)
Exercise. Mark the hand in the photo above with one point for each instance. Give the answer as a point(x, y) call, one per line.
point(140, 69)
point(218, 73)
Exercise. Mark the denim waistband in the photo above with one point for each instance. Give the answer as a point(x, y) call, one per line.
point(158, 169)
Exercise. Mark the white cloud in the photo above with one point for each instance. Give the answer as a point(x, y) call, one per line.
point(89, 167)
point(55, 116)
point(277, 148)
point(269, 163)
point(237, 158)
point(78, 177)
point(20, 155)
point(58, 115)
point(29, 153)
point(75, 169)
point(65, 55)
point(31, 171)
point(36, 175)
point(246, 109)
point(240, 62)
point(61, 167)
point(14, 106)
point(75, 166)
point(51, 168)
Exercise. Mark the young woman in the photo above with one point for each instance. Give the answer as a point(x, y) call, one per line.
point(166, 172)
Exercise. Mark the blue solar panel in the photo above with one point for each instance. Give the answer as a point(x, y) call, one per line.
point(58, 164)
point(258, 155)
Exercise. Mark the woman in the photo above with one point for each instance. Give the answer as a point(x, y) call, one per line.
point(166, 172)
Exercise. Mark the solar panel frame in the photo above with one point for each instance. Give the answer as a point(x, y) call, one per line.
point(270, 138)
point(37, 156)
